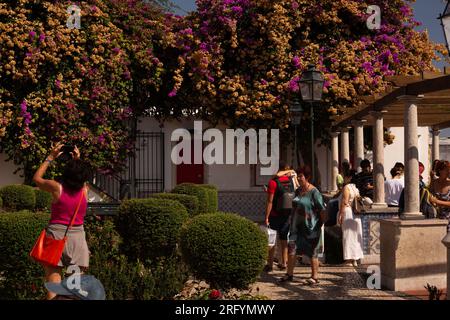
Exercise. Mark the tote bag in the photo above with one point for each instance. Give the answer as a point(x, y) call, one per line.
point(47, 250)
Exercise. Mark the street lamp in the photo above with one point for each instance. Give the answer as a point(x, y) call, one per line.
point(296, 112)
point(311, 89)
point(445, 21)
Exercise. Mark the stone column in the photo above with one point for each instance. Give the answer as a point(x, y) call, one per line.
point(412, 201)
point(334, 160)
point(345, 146)
point(436, 142)
point(378, 161)
point(446, 242)
point(359, 143)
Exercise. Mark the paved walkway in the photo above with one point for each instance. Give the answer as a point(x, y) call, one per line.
point(336, 283)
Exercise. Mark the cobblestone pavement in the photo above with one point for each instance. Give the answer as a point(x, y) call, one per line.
point(336, 283)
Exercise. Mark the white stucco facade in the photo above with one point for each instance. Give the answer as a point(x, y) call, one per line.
point(7, 175)
point(243, 177)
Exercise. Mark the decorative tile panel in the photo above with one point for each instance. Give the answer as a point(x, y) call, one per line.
point(249, 204)
point(371, 231)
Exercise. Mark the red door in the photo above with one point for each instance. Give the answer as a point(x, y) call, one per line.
point(190, 172)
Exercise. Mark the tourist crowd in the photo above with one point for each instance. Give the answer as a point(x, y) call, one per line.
point(296, 209)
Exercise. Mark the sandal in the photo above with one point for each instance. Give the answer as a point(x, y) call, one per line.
point(268, 268)
point(286, 278)
point(311, 282)
point(282, 267)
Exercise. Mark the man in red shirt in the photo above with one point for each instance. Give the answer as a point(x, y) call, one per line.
point(278, 221)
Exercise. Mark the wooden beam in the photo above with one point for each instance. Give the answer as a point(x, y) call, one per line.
point(431, 85)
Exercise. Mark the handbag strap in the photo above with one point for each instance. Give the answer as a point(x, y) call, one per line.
point(75, 213)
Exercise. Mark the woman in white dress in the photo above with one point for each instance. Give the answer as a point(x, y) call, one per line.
point(352, 236)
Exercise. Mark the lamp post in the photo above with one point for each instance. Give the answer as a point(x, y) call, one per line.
point(296, 112)
point(311, 89)
point(445, 22)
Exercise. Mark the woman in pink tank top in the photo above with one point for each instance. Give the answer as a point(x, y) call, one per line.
point(68, 194)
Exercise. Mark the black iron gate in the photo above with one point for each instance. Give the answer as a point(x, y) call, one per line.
point(146, 169)
point(144, 173)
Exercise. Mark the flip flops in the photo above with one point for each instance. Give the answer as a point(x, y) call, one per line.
point(268, 268)
point(281, 267)
point(286, 278)
point(310, 282)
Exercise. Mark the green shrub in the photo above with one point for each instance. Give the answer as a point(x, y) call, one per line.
point(190, 202)
point(125, 279)
point(197, 191)
point(43, 200)
point(23, 278)
point(224, 249)
point(1, 203)
point(150, 227)
point(213, 197)
point(18, 197)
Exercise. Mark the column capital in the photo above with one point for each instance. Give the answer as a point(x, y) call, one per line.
point(411, 98)
point(378, 114)
point(359, 123)
point(335, 134)
point(436, 131)
point(345, 129)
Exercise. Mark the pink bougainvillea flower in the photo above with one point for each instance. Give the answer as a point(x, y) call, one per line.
point(293, 84)
point(101, 139)
point(296, 61)
point(23, 106)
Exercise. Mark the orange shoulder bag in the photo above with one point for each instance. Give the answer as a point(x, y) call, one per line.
point(48, 250)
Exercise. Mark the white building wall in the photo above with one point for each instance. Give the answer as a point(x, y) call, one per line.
point(227, 177)
point(6, 172)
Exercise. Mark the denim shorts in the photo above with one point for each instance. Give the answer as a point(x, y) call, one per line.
point(281, 224)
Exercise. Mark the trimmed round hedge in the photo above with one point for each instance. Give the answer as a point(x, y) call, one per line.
point(150, 227)
point(43, 200)
point(213, 197)
point(190, 202)
point(23, 278)
point(224, 249)
point(196, 190)
point(18, 197)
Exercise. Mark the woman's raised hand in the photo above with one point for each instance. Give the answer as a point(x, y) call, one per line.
point(56, 151)
point(76, 153)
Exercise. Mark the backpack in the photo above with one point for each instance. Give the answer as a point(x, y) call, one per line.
point(426, 207)
point(285, 194)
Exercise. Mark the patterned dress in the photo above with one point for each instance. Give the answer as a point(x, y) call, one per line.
point(444, 212)
point(305, 234)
